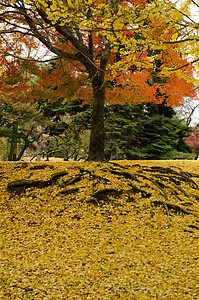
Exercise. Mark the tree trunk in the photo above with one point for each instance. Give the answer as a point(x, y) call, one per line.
point(13, 144)
point(97, 137)
point(22, 152)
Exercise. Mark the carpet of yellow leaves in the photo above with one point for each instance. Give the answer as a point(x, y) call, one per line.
point(58, 243)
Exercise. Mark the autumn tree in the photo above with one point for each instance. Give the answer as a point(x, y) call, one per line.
point(193, 141)
point(106, 52)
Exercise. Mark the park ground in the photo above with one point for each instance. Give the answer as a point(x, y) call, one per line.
point(117, 230)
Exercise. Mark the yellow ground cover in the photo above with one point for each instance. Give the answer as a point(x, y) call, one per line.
point(80, 230)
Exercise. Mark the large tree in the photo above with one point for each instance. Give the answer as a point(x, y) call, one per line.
point(108, 48)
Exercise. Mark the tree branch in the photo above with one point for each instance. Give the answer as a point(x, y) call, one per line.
point(185, 65)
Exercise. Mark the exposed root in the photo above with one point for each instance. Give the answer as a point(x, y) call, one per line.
point(56, 176)
point(109, 181)
point(40, 167)
point(194, 227)
point(71, 181)
point(69, 191)
point(182, 176)
point(195, 196)
point(22, 184)
point(178, 187)
point(136, 189)
point(104, 191)
point(173, 207)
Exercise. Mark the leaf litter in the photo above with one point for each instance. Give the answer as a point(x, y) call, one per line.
point(117, 230)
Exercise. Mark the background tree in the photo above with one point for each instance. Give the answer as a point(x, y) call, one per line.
point(193, 141)
point(22, 125)
point(188, 111)
point(88, 37)
point(144, 131)
point(3, 148)
point(69, 129)
point(136, 131)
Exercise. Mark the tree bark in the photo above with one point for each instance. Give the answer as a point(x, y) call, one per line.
point(97, 137)
point(13, 144)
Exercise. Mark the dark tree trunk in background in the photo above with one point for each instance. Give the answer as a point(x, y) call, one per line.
point(97, 137)
point(13, 144)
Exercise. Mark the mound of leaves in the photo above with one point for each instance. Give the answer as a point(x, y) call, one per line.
point(176, 189)
point(80, 230)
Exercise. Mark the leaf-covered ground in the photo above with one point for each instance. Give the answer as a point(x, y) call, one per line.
point(122, 230)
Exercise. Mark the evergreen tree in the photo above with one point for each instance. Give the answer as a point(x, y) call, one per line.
point(145, 131)
point(69, 128)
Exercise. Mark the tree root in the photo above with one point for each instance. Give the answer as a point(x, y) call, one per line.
point(103, 192)
point(71, 181)
point(182, 176)
point(194, 226)
point(112, 180)
point(22, 184)
point(40, 167)
point(69, 191)
point(172, 206)
point(136, 189)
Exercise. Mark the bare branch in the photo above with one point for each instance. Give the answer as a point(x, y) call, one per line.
point(195, 3)
point(181, 41)
point(32, 60)
point(185, 65)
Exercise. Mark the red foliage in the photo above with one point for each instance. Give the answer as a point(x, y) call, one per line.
point(140, 3)
point(24, 80)
point(175, 89)
point(193, 141)
point(132, 87)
